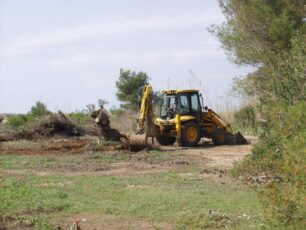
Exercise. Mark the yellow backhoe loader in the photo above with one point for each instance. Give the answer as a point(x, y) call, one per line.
point(181, 117)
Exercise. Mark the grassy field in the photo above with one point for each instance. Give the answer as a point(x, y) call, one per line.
point(166, 189)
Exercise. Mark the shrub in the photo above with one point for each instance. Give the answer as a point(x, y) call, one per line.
point(245, 117)
point(17, 120)
point(281, 155)
point(2, 118)
point(80, 118)
point(39, 110)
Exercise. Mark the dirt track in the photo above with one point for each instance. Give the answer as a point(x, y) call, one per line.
point(172, 158)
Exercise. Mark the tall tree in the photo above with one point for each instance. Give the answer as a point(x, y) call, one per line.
point(270, 34)
point(254, 28)
point(262, 33)
point(129, 87)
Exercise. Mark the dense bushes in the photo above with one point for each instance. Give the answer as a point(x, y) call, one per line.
point(80, 118)
point(37, 111)
point(17, 120)
point(285, 149)
point(245, 118)
point(281, 154)
point(270, 35)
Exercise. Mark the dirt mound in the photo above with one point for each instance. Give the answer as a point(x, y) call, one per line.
point(51, 125)
point(58, 124)
point(46, 146)
point(63, 145)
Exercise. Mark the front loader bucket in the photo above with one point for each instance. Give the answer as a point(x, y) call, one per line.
point(240, 140)
point(235, 139)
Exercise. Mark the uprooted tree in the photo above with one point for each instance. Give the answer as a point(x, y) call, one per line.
point(270, 35)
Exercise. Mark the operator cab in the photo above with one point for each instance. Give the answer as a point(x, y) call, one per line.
point(183, 102)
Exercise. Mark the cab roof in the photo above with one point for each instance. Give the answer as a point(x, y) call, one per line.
point(175, 91)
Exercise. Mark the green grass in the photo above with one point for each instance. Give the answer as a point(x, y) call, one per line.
point(164, 192)
point(162, 197)
point(12, 161)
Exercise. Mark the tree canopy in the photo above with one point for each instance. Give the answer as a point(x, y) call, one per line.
point(255, 28)
point(270, 35)
point(129, 88)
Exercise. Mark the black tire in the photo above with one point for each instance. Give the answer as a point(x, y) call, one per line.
point(218, 136)
point(165, 140)
point(190, 134)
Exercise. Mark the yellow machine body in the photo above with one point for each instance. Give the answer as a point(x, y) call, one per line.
point(183, 118)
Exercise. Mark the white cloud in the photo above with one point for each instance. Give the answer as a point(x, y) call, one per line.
point(31, 43)
point(146, 57)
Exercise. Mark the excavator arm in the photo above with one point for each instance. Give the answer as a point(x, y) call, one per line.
point(146, 113)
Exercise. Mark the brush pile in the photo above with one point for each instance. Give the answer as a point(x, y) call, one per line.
point(50, 125)
point(57, 124)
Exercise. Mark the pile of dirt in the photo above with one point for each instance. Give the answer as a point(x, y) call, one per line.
point(51, 125)
point(58, 124)
point(71, 145)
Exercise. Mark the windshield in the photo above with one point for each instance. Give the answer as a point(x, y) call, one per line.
point(168, 102)
point(183, 103)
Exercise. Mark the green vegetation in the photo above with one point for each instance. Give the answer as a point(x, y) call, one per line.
point(80, 118)
point(16, 121)
point(270, 35)
point(162, 197)
point(245, 119)
point(37, 111)
point(129, 88)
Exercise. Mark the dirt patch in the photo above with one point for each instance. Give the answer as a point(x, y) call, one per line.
point(115, 169)
point(25, 219)
point(93, 158)
point(15, 223)
point(48, 146)
point(101, 221)
point(58, 145)
point(218, 176)
point(221, 157)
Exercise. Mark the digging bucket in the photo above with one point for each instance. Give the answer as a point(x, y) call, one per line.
point(236, 139)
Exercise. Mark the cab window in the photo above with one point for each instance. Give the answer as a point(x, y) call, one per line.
point(167, 103)
point(195, 105)
point(184, 105)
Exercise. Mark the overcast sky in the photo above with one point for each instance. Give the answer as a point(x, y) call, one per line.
point(68, 53)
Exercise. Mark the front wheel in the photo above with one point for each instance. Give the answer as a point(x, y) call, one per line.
point(190, 134)
point(218, 136)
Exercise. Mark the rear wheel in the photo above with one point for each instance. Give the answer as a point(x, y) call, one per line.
point(190, 134)
point(218, 136)
point(165, 140)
